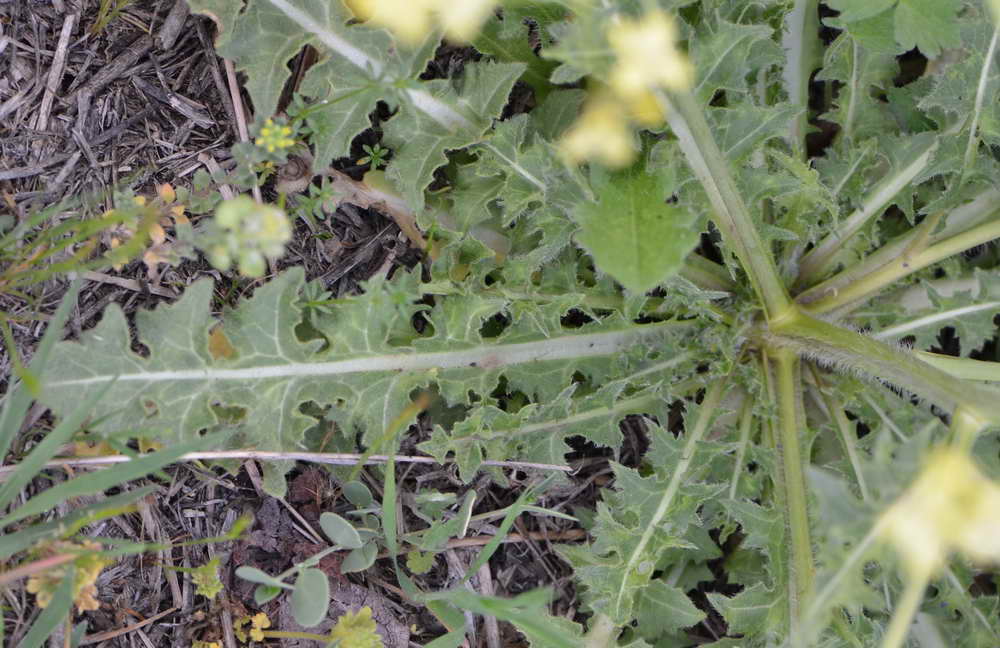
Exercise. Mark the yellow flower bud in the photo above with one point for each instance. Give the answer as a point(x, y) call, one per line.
point(601, 133)
point(951, 506)
point(647, 56)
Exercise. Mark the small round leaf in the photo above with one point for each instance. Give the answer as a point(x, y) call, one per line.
point(265, 593)
point(339, 531)
point(311, 597)
point(359, 559)
point(358, 494)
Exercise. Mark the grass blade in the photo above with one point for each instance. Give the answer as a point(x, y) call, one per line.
point(100, 481)
point(56, 612)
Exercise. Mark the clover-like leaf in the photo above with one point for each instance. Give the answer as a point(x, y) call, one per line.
point(311, 597)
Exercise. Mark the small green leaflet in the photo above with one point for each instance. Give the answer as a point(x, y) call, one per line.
point(633, 233)
point(928, 25)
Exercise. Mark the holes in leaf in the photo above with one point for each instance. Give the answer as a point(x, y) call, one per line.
point(575, 319)
point(306, 332)
point(494, 326)
point(150, 408)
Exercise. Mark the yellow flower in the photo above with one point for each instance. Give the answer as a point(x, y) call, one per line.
point(275, 137)
point(258, 622)
point(206, 578)
point(462, 20)
point(600, 133)
point(356, 630)
point(412, 20)
point(647, 56)
point(951, 506)
point(88, 566)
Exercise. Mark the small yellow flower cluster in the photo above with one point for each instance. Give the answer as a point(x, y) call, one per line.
point(206, 644)
point(951, 506)
point(275, 137)
point(248, 233)
point(88, 566)
point(647, 60)
point(206, 579)
point(163, 211)
point(412, 20)
point(356, 630)
point(257, 623)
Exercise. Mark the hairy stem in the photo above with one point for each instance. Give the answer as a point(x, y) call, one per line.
point(790, 426)
point(980, 210)
point(849, 350)
point(904, 265)
point(731, 215)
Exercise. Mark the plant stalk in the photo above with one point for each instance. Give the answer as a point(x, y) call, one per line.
point(731, 215)
point(963, 368)
point(820, 258)
point(709, 408)
point(790, 459)
point(849, 350)
point(980, 210)
point(904, 265)
point(972, 145)
point(846, 433)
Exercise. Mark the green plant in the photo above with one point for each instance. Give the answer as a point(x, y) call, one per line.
point(712, 259)
point(59, 561)
point(374, 155)
point(107, 11)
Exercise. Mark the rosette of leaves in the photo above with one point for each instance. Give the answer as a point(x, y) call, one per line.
point(561, 300)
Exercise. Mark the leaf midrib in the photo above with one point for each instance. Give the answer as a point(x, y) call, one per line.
point(483, 356)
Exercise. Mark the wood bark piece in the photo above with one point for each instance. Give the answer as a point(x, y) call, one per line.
point(55, 72)
point(124, 62)
point(172, 25)
point(190, 109)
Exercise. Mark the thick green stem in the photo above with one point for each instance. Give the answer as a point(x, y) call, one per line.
point(821, 257)
point(850, 351)
point(963, 368)
point(979, 211)
point(904, 265)
point(731, 215)
point(791, 460)
point(800, 40)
